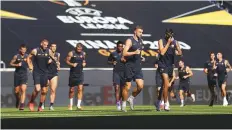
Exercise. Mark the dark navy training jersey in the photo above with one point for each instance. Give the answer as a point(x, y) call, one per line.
point(221, 68)
point(135, 46)
point(209, 65)
point(167, 60)
point(78, 57)
point(40, 61)
point(182, 73)
point(116, 56)
point(21, 59)
point(52, 67)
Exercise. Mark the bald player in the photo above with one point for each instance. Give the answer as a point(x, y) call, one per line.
point(41, 57)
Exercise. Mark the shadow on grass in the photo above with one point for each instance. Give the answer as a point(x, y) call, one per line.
point(117, 122)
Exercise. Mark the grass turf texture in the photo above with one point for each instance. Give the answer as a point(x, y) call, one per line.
point(111, 111)
point(101, 117)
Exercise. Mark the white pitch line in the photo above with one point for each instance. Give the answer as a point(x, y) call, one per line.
point(112, 34)
point(190, 12)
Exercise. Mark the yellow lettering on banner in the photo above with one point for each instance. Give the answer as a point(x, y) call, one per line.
point(104, 52)
point(153, 53)
point(145, 53)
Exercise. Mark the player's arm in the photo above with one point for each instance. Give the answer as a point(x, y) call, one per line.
point(173, 77)
point(206, 68)
point(51, 57)
point(12, 62)
point(68, 58)
point(228, 66)
point(29, 59)
point(163, 49)
point(84, 61)
point(178, 49)
point(110, 59)
point(126, 48)
point(58, 61)
point(189, 71)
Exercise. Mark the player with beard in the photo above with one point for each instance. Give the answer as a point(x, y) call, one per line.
point(133, 68)
point(19, 61)
point(222, 67)
point(118, 61)
point(41, 60)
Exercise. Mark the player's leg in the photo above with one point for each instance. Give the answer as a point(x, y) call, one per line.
point(165, 90)
point(116, 83)
point(188, 92)
point(23, 89)
point(44, 90)
point(117, 96)
point(211, 86)
point(36, 78)
point(125, 92)
point(71, 95)
point(140, 84)
point(223, 91)
point(181, 96)
point(17, 89)
point(79, 96)
point(17, 96)
point(53, 86)
point(33, 96)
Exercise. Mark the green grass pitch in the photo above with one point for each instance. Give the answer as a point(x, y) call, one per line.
point(111, 111)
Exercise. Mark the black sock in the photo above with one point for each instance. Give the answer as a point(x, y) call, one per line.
point(40, 104)
point(51, 104)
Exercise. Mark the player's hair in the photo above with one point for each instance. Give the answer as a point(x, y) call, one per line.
point(168, 33)
point(211, 53)
point(23, 46)
point(44, 40)
point(138, 27)
point(79, 45)
point(221, 54)
point(181, 60)
point(119, 42)
point(53, 43)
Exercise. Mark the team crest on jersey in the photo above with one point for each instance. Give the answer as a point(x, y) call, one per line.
point(172, 46)
point(25, 59)
point(46, 54)
point(81, 56)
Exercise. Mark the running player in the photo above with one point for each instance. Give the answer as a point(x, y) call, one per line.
point(184, 75)
point(39, 66)
point(76, 61)
point(170, 87)
point(53, 74)
point(222, 68)
point(118, 61)
point(211, 77)
point(168, 48)
point(19, 61)
point(133, 69)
